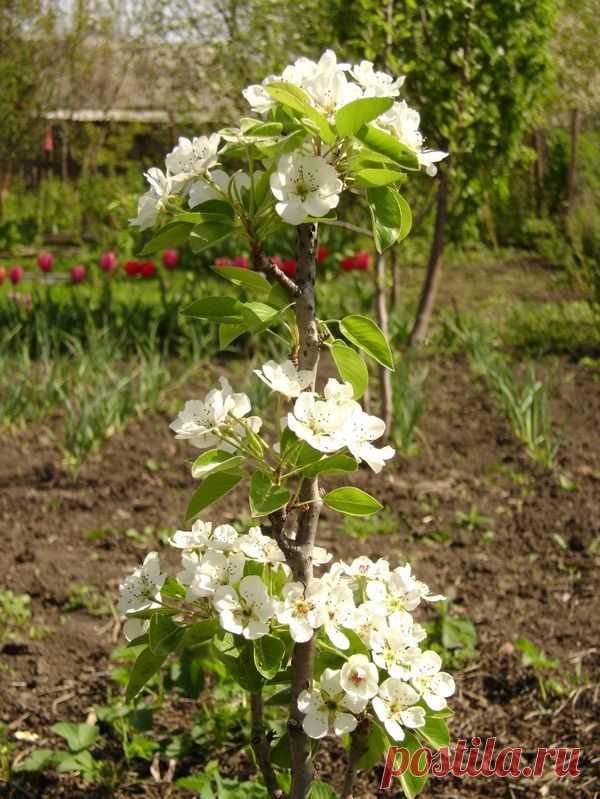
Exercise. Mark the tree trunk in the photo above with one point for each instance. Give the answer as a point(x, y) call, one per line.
point(308, 514)
point(385, 377)
point(395, 294)
point(434, 267)
point(571, 177)
point(540, 168)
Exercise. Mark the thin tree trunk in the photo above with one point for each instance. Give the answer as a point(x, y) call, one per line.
point(395, 293)
point(540, 168)
point(434, 267)
point(385, 377)
point(308, 514)
point(574, 130)
point(262, 747)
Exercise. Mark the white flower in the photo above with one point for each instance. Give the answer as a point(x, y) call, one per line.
point(141, 589)
point(258, 98)
point(376, 84)
point(337, 611)
point(213, 571)
point(301, 609)
point(318, 422)
point(150, 204)
point(398, 651)
point(400, 591)
point(328, 708)
point(370, 624)
point(206, 422)
point(341, 393)
point(261, 548)
point(361, 429)
point(284, 378)
point(196, 538)
point(359, 677)
point(193, 158)
point(363, 570)
point(133, 628)
point(434, 685)
point(245, 613)
point(304, 185)
point(330, 90)
point(403, 123)
point(396, 705)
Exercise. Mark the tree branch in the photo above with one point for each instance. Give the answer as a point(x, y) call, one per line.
point(358, 746)
point(363, 231)
point(262, 263)
point(299, 554)
point(261, 747)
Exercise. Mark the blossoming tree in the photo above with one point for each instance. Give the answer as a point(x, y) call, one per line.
point(335, 642)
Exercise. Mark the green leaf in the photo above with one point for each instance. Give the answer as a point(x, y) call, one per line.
point(293, 97)
point(257, 316)
point(391, 213)
point(283, 697)
point(199, 632)
point(332, 464)
point(144, 668)
point(412, 785)
point(216, 207)
point(287, 144)
point(377, 744)
point(38, 760)
point(212, 488)
point(377, 177)
point(164, 635)
point(247, 278)
point(171, 588)
point(321, 790)
point(215, 460)
point(280, 754)
point(388, 146)
point(435, 732)
point(229, 333)
point(208, 235)
point(366, 335)
point(352, 116)
point(242, 668)
point(77, 736)
point(265, 497)
point(357, 647)
point(203, 217)
point(351, 367)
point(351, 501)
point(76, 761)
point(216, 309)
point(269, 652)
point(170, 235)
point(458, 633)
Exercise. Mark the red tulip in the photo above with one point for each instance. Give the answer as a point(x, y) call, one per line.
point(348, 264)
point(321, 254)
point(169, 259)
point(45, 261)
point(108, 261)
point(78, 273)
point(223, 261)
point(289, 267)
point(2, 274)
point(132, 268)
point(241, 261)
point(15, 274)
point(362, 260)
point(148, 269)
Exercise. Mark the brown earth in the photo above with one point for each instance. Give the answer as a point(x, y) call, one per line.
point(536, 577)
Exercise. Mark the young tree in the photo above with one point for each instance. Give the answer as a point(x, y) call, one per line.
point(340, 648)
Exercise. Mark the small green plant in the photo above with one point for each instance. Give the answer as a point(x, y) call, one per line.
point(386, 523)
point(80, 739)
point(472, 519)
point(210, 784)
point(83, 596)
point(15, 613)
point(533, 657)
point(409, 406)
point(453, 637)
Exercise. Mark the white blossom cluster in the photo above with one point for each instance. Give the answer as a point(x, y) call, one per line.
point(329, 424)
point(302, 183)
point(365, 599)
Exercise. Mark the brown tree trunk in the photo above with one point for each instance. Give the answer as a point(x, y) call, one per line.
point(395, 293)
point(308, 514)
point(575, 123)
point(385, 377)
point(434, 266)
point(540, 168)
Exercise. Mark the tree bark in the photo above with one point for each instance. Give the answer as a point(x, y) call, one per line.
point(572, 174)
point(385, 377)
point(262, 748)
point(308, 514)
point(434, 266)
point(395, 293)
